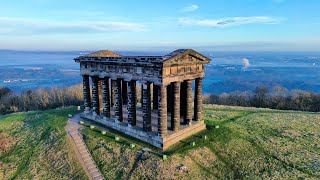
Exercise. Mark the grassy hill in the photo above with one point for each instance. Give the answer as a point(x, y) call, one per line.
point(249, 143)
point(34, 146)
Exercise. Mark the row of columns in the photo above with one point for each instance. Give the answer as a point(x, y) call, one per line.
point(165, 98)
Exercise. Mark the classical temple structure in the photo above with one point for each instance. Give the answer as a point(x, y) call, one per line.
point(168, 112)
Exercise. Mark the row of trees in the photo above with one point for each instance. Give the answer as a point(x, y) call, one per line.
point(276, 98)
point(40, 99)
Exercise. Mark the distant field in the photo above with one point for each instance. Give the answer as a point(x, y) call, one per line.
point(34, 146)
point(250, 143)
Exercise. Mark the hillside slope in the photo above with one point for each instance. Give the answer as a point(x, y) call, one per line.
point(249, 143)
point(37, 146)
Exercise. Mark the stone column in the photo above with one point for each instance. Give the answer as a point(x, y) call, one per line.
point(124, 92)
point(118, 101)
point(95, 96)
point(100, 95)
point(155, 96)
point(146, 107)
point(162, 111)
point(106, 98)
point(183, 100)
point(86, 94)
point(169, 98)
point(132, 102)
point(198, 100)
point(188, 103)
point(112, 93)
point(141, 95)
point(175, 114)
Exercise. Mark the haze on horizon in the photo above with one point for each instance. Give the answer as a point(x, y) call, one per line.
point(249, 25)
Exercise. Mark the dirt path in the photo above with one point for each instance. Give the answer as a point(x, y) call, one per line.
point(83, 154)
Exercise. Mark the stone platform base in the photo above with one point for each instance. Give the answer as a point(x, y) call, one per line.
point(182, 134)
point(149, 137)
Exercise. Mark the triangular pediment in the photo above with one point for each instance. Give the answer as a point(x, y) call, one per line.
point(185, 56)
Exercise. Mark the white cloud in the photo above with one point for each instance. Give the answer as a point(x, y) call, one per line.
point(191, 8)
point(231, 21)
point(30, 25)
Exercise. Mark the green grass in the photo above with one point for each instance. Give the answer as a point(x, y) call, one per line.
point(250, 143)
point(40, 149)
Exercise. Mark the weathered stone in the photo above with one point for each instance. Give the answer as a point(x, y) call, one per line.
point(188, 103)
point(162, 111)
point(175, 114)
point(100, 95)
point(155, 96)
point(95, 95)
point(106, 98)
point(183, 100)
point(118, 115)
point(198, 100)
point(112, 93)
point(132, 101)
point(86, 94)
point(124, 92)
point(146, 107)
point(141, 95)
point(169, 96)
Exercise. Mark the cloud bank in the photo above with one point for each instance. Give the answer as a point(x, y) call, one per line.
point(22, 24)
point(231, 21)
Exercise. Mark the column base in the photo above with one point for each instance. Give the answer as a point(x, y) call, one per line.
point(153, 138)
point(87, 110)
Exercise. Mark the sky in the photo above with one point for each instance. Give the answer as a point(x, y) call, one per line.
point(211, 25)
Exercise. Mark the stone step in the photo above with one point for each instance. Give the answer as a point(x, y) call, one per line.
point(74, 134)
point(78, 141)
point(91, 166)
point(89, 163)
point(84, 150)
point(84, 155)
point(80, 145)
point(87, 159)
point(95, 174)
point(92, 170)
point(99, 178)
point(76, 138)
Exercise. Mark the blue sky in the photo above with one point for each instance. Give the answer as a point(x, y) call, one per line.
point(218, 25)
